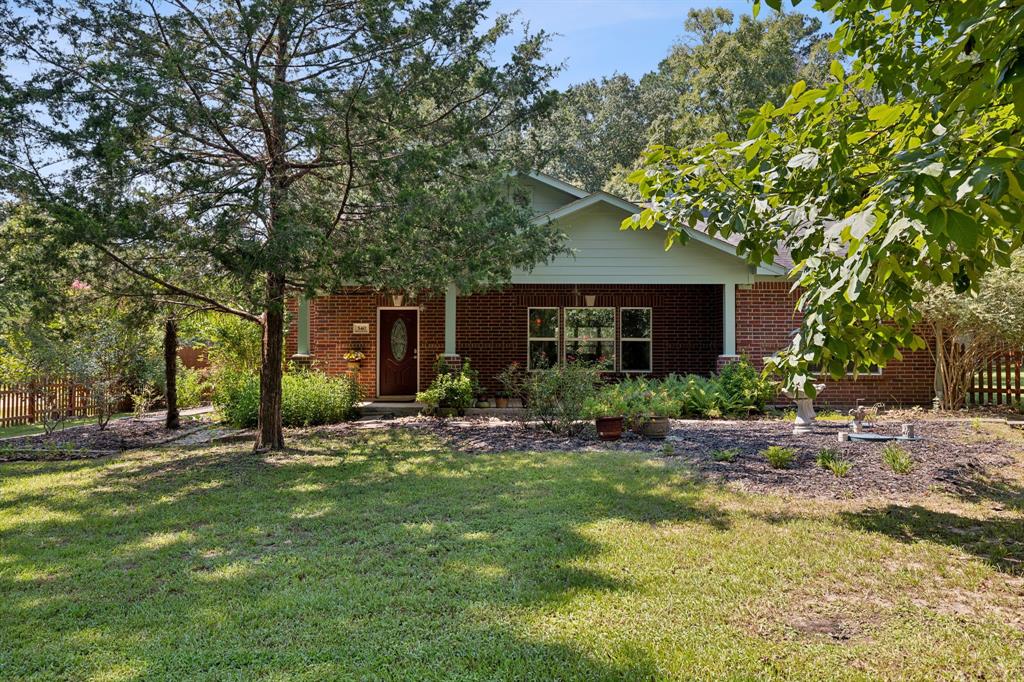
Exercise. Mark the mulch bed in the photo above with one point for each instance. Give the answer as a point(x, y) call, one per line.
point(949, 456)
point(88, 441)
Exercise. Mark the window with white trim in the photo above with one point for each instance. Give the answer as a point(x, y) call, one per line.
point(542, 338)
point(635, 346)
point(590, 337)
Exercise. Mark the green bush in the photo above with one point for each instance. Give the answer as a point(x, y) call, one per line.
point(308, 398)
point(237, 397)
point(726, 455)
point(779, 457)
point(897, 459)
point(193, 387)
point(450, 389)
point(635, 399)
point(558, 397)
point(312, 398)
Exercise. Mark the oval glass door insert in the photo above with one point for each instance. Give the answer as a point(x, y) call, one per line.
point(399, 340)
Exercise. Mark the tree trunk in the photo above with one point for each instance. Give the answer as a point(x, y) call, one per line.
point(171, 371)
point(268, 433)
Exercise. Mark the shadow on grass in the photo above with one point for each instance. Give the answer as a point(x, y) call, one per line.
point(997, 541)
point(376, 555)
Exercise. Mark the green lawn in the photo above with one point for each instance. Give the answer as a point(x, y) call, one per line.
point(391, 558)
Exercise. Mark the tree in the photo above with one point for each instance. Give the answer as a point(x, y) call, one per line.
point(967, 329)
point(873, 199)
point(719, 69)
point(597, 126)
point(278, 147)
point(598, 129)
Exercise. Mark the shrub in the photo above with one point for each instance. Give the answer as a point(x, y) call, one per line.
point(743, 388)
point(635, 399)
point(779, 457)
point(725, 455)
point(311, 398)
point(559, 396)
point(308, 398)
point(193, 387)
point(237, 397)
point(449, 388)
point(897, 459)
point(829, 459)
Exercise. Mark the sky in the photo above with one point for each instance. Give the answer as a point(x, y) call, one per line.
point(597, 38)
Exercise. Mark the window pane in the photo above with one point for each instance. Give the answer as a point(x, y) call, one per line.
point(636, 356)
point(544, 322)
point(636, 323)
point(598, 353)
point(590, 323)
point(543, 354)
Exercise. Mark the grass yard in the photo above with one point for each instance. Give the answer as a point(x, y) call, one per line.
point(385, 556)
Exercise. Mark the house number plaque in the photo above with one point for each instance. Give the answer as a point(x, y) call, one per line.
point(361, 328)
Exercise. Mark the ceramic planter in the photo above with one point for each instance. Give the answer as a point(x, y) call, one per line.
point(501, 402)
point(655, 428)
point(609, 428)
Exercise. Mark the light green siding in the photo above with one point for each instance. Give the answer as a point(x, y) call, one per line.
point(544, 198)
point(604, 254)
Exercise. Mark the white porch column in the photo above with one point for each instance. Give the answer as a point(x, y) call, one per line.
point(450, 297)
point(729, 318)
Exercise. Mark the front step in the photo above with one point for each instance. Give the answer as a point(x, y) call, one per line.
point(385, 410)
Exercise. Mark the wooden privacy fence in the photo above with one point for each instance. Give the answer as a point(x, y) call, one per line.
point(998, 381)
point(30, 402)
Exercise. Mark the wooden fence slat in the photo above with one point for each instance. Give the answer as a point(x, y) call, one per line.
point(20, 403)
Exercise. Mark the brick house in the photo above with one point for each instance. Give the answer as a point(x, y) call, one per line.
point(620, 300)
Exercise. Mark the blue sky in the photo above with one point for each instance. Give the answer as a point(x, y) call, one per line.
point(600, 37)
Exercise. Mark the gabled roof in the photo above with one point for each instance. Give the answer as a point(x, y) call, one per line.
point(592, 198)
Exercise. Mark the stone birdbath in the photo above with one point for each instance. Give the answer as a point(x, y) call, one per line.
point(804, 422)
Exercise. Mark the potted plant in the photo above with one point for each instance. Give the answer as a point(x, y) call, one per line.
point(449, 394)
point(353, 358)
point(659, 407)
point(607, 410)
point(501, 400)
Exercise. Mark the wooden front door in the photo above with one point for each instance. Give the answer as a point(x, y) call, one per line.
point(397, 347)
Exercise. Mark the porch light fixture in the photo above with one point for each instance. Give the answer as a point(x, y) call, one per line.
point(590, 299)
point(397, 300)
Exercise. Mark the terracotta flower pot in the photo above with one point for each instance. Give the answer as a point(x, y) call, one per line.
point(609, 428)
point(655, 428)
point(501, 402)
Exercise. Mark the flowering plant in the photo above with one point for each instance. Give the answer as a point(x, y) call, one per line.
point(354, 355)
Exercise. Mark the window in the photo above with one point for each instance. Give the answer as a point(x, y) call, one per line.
point(636, 339)
point(872, 371)
point(542, 338)
point(590, 336)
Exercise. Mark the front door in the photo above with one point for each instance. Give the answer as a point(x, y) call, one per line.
point(397, 336)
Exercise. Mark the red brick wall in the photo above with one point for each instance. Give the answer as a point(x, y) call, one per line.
point(686, 322)
point(765, 316)
point(330, 334)
point(686, 319)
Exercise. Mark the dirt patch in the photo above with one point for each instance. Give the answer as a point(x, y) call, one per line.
point(88, 441)
point(951, 456)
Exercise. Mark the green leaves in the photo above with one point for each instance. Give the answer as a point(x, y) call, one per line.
point(873, 199)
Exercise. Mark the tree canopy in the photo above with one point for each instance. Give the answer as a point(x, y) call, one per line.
point(872, 198)
point(228, 154)
point(721, 66)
